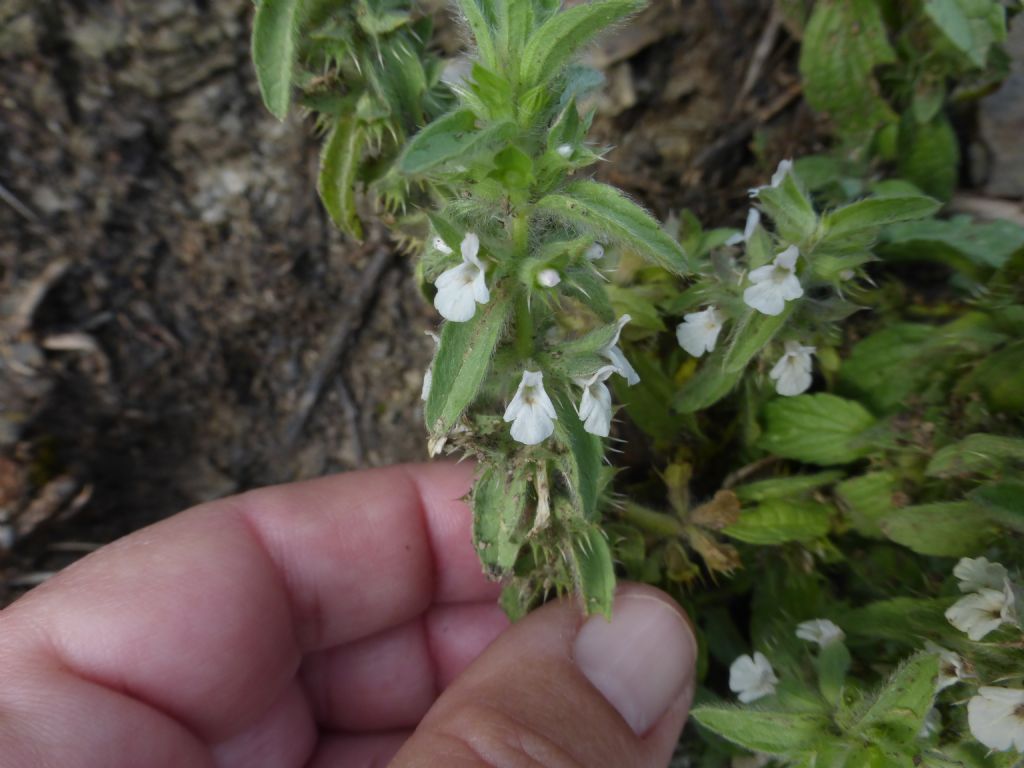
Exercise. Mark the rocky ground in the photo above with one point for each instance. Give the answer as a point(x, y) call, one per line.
point(180, 321)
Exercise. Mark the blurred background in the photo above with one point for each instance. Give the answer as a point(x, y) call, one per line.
point(178, 318)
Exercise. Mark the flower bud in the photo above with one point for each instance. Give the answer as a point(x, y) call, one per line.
point(594, 253)
point(565, 151)
point(549, 278)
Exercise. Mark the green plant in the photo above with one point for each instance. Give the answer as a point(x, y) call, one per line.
point(832, 397)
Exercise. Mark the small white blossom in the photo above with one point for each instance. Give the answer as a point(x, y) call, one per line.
point(428, 375)
point(996, 718)
point(784, 169)
point(792, 373)
point(951, 666)
point(982, 612)
point(698, 333)
point(752, 678)
point(820, 631)
point(774, 284)
point(978, 573)
point(596, 406)
point(461, 288)
point(594, 253)
point(613, 354)
point(549, 278)
point(442, 246)
point(565, 151)
point(531, 411)
point(753, 219)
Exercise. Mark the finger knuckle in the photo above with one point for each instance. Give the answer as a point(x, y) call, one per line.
point(497, 739)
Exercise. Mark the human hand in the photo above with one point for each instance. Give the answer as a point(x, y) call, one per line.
point(338, 622)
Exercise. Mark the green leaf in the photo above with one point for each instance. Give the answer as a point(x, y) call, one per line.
point(790, 209)
point(1003, 502)
point(786, 487)
point(273, 51)
point(945, 529)
point(709, 385)
point(779, 521)
point(972, 26)
point(339, 164)
point(563, 35)
point(595, 571)
point(818, 429)
point(773, 733)
point(904, 347)
point(483, 33)
point(499, 525)
point(451, 138)
point(599, 208)
point(752, 335)
point(867, 500)
point(929, 155)
point(896, 714)
point(581, 462)
point(904, 619)
point(832, 664)
point(844, 42)
point(976, 454)
point(989, 245)
point(463, 359)
point(870, 215)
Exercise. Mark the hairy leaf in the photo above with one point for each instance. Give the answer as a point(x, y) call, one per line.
point(872, 214)
point(603, 209)
point(976, 454)
point(463, 359)
point(339, 164)
point(274, 51)
point(561, 37)
point(595, 571)
point(779, 521)
point(819, 429)
point(451, 138)
point(844, 42)
point(896, 714)
point(499, 525)
point(773, 733)
point(947, 529)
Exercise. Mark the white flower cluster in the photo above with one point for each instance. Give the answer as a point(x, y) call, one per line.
point(533, 415)
point(989, 602)
point(531, 412)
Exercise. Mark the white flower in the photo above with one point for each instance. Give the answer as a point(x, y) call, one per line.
point(820, 631)
point(753, 219)
point(784, 169)
point(565, 151)
point(549, 278)
point(442, 246)
point(461, 288)
point(982, 612)
point(613, 354)
point(699, 331)
point(531, 411)
point(996, 718)
point(428, 375)
point(596, 405)
point(774, 284)
point(594, 253)
point(979, 573)
point(951, 666)
point(752, 678)
point(792, 374)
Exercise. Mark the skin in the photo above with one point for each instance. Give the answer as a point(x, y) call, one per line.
point(315, 625)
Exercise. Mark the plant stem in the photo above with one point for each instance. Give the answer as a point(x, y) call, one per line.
point(524, 327)
point(657, 523)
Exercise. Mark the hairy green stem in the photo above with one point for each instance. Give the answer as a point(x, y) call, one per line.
point(657, 523)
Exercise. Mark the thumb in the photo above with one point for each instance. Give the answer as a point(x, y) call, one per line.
point(558, 690)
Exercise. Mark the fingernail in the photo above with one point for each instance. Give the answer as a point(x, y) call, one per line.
point(641, 660)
